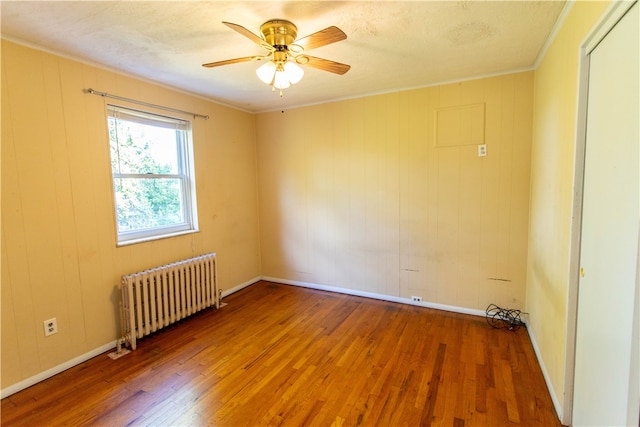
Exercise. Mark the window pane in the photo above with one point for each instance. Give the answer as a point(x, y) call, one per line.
point(152, 166)
point(143, 203)
point(142, 148)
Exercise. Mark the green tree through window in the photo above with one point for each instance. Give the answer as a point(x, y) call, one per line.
point(151, 180)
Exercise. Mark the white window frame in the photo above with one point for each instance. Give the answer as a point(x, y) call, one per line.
point(185, 175)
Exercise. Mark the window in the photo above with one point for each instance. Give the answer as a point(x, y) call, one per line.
point(152, 168)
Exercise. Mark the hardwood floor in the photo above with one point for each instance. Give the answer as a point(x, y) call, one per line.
point(284, 355)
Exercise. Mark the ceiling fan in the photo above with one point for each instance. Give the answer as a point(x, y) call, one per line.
point(285, 52)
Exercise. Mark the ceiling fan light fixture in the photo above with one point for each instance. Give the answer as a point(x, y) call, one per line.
point(294, 72)
point(281, 80)
point(279, 37)
point(266, 72)
point(280, 75)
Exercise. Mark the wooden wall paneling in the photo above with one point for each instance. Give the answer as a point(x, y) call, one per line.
point(490, 208)
point(354, 261)
point(320, 158)
point(410, 151)
point(431, 189)
point(298, 211)
point(505, 158)
point(11, 207)
point(469, 226)
point(472, 94)
point(71, 321)
point(392, 108)
point(447, 203)
point(238, 238)
point(448, 241)
point(418, 216)
point(36, 170)
point(10, 352)
point(33, 170)
point(91, 192)
point(337, 227)
point(522, 136)
point(268, 160)
point(55, 302)
point(367, 239)
point(16, 324)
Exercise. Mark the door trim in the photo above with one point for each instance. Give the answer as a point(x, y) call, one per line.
point(615, 11)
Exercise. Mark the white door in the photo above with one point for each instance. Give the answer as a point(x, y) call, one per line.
point(604, 393)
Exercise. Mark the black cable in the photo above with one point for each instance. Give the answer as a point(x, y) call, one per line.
point(501, 318)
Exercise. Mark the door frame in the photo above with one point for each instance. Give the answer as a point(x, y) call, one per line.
point(614, 12)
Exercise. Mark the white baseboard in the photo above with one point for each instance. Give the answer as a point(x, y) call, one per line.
point(383, 297)
point(545, 374)
point(55, 370)
point(241, 286)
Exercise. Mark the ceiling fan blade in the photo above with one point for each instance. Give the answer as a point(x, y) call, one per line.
point(233, 61)
point(323, 64)
point(248, 34)
point(321, 38)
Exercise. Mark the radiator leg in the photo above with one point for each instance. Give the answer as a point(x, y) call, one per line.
point(220, 304)
point(120, 351)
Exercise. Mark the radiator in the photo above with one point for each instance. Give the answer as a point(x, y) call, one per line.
point(158, 297)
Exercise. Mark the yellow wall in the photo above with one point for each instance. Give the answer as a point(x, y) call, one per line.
point(552, 176)
point(59, 254)
point(356, 195)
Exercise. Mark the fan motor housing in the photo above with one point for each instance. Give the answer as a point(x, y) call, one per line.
point(279, 32)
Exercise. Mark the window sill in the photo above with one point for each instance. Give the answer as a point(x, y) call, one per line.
point(151, 238)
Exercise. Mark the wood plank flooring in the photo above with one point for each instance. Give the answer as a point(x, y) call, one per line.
point(284, 355)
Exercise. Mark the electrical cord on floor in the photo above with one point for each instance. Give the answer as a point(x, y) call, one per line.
point(501, 318)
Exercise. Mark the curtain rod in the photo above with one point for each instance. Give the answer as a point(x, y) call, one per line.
point(146, 104)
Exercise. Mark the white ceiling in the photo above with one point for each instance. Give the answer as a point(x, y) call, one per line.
point(390, 45)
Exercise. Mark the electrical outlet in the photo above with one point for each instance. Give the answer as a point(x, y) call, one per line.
point(50, 327)
point(416, 299)
point(482, 150)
